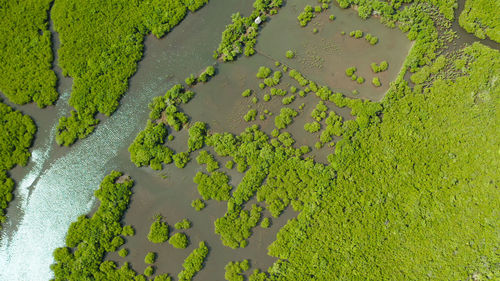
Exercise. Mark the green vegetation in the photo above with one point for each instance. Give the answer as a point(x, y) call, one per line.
point(285, 118)
point(235, 227)
point(379, 68)
point(123, 253)
point(206, 158)
point(163, 277)
point(147, 148)
point(246, 93)
point(312, 127)
point(356, 34)
point(16, 135)
point(158, 232)
point(101, 70)
point(350, 71)
point(265, 223)
point(179, 241)
point(315, 30)
point(181, 159)
point(90, 238)
point(183, 224)
point(288, 100)
point(229, 164)
point(250, 116)
point(216, 186)
point(481, 18)
point(360, 80)
point(306, 16)
point(243, 31)
point(128, 230)
point(197, 134)
point(193, 263)
point(198, 204)
point(26, 53)
point(371, 39)
point(150, 270)
point(376, 82)
point(298, 77)
point(235, 269)
point(331, 17)
point(263, 72)
point(206, 74)
point(290, 54)
point(150, 258)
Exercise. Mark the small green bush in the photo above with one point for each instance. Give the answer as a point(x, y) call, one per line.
point(263, 72)
point(246, 93)
point(183, 224)
point(250, 116)
point(181, 159)
point(350, 71)
point(149, 271)
point(332, 17)
point(128, 230)
point(290, 55)
point(123, 253)
point(179, 240)
point(198, 204)
point(265, 223)
point(150, 258)
point(158, 232)
point(376, 82)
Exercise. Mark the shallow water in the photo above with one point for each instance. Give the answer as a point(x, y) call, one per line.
point(57, 186)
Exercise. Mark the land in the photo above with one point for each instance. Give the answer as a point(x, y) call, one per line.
point(326, 158)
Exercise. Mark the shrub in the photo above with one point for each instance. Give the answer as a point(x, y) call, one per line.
point(265, 223)
point(317, 9)
point(193, 263)
point(376, 82)
point(312, 127)
point(263, 72)
point(250, 116)
point(158, 232)
point(197, 135)
point(179, 240)
point(183, 224)
point(288, 100)
point(267, 97)
point(332, 17)
point(150, 258)
point(285, 118)
point(315, 30)
point(350, 71)
point(255, 100)
point(198, 204)
point(123, 253)
point(181, 159)
point(290, 54)
point(229, 164)
point(191, 80)
point(360, 80)
point(234, 270)
point(384, 65)
point(246, 93)
point(128, 230)
point(306, 16)
point(206, 158)
point(149, 271)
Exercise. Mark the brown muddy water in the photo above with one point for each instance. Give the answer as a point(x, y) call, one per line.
point(57, 186)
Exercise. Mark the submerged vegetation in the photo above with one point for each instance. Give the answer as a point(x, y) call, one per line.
point(16, 134)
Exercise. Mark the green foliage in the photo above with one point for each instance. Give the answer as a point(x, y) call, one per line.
point(147, 148)
point(198, 205)
point(371, 39)
point(350, 71)
point(179, 240)
point(206, 74)
point(16, 135)
point(235, 269)
point(246, 93)
point(250, 116)
point(376, 82)
point(306, 16)
point(183, 224)
point(197, 135)
point(319, 113)
point(265, 223)
point(216, 186)
point(123, 253)
point(243, 31)
point(158, 232)
point(90, 238)
point(263, 72)
point(285, 117)
point(193, 263)
point(356, 34)
point(481, 18)
point(390, 199)
point(150, 258)
point(235, 226)
point(229, 164)
point(128, 230)
point(191, 80)
point(150, 270)
point(26, 53)
point(298, 77)
point(101, 70)
point(332, 17)
point(288, 100)
point(267, 97)
point(360, 80)
point(206, 158)
point(312, 127)
point(290, 54)
point(181, 159)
